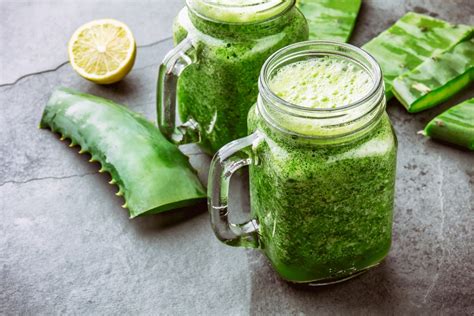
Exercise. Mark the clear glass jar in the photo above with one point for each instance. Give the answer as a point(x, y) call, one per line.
point(220, 50)
point(321, 180)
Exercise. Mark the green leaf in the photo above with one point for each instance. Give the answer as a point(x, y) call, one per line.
point(412, 40)
point(437, 78)
point(151, 173)
point(455, 125)
point(329, 19)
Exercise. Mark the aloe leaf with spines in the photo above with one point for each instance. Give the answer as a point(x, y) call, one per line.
point(152, 174)
point(436, 79)
point(330, 20)
point(455, 125)
point(412, 40)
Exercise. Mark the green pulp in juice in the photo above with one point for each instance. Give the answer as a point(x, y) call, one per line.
point(218, 90)
point(325, 211)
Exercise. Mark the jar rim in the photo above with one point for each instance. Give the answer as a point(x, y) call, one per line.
point(256, 7)
point(284, 54)
point(236, 5)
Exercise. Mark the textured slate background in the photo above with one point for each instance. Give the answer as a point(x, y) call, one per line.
point(66, 246)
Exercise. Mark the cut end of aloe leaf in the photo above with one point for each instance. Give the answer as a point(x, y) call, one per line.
point(423, 37)
point(436, 79)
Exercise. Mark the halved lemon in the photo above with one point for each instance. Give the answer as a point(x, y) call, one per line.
point(102, 51)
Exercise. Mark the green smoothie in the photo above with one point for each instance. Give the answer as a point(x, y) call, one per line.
point(220, 87)
point(325, 211)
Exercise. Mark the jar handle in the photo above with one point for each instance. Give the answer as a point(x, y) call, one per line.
point(170, 69)
point(225, 163)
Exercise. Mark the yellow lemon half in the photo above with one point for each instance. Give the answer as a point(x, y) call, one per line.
point(102, 51)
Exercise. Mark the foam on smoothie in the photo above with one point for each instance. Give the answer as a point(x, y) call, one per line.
point(321, 83)
point(239, 11)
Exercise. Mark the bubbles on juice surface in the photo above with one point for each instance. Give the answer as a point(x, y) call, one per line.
point(324, 82)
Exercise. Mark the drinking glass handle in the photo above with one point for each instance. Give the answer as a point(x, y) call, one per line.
point(171, 68)
point(225, 163)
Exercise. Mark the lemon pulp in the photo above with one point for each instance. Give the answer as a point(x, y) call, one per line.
point(102, 51)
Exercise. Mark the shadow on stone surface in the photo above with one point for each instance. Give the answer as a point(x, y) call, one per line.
point(153, 224)
point(367, 293)
point(121, 89)
point(144, 224)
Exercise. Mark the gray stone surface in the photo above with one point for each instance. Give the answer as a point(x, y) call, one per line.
point(34, 34)
point(66, 246)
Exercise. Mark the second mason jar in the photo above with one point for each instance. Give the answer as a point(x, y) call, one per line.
point(221, 47)
point(322, 159)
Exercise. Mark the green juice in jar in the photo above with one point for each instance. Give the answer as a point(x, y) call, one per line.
point(231, 41)
point(322, 192)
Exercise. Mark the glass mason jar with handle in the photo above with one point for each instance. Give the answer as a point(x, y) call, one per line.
point(221, 47)
point(321, 179)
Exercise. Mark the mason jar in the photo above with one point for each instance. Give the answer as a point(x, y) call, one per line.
point(321, 180)
point(221, 47)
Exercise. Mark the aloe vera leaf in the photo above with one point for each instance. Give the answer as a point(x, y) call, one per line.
point(455, 125)
point(151, 173)
point(436, 79)
point(330, 20)
point(410, 41)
